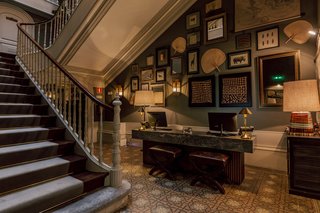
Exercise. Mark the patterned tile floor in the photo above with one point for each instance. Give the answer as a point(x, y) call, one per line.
point(262, 191)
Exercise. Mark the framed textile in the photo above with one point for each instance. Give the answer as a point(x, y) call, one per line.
point(235, 90)
point(202, 91)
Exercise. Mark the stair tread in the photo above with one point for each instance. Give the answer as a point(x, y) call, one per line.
point(13, 93)
point(10, 76)
point(16, 85)
point(38, 196)
point(28, 129)
point(29, 146)
point(23, 116)
point(18, 170)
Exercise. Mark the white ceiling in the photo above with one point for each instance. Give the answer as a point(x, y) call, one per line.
point(118, 27)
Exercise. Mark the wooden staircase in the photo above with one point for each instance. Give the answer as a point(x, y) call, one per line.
point(38, 167)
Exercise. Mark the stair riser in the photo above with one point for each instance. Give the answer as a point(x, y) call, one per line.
point(12, 73)
point(17, 89)
point(32, 99)
point(17, 109)
point(27, 122)
point(17, 157)
point(7, 55)
point(54, 134)
point(10, 66)
point(10, 80)
point(7, 60)
point(36, 176)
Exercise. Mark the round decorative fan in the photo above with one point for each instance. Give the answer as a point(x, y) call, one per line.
point(212, 59)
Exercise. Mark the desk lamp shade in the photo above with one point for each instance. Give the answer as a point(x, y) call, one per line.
point(301, 98)
point(144, 98)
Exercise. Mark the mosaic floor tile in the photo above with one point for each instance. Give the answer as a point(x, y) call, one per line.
point(262, 191)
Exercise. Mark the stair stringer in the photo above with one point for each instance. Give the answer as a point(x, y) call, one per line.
point(92, 163)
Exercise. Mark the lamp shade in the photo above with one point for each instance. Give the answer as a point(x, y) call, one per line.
point(245, 111)
point(301, 95)
point(144, 98)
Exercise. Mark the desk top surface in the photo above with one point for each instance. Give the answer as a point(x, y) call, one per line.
point(197, 139)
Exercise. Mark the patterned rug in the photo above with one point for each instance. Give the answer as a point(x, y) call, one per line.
point(262, 191)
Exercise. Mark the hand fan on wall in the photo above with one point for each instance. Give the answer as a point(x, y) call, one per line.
point(212, 59)
point(179, 44)
point(298, 31)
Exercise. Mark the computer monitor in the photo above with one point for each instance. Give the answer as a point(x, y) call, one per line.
point(159, 117)
point(222, 122)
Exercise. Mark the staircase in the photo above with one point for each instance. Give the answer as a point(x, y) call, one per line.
point(39, 170)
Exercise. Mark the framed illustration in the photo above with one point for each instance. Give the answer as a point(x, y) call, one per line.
point(144, 86)
point(159, 91)
point(193, 62)
point(268, 38)
point(249, 14)
point(202, 91)
point(150, 60)
point(134, 82)
point(162, 56)
point(193, 39)
point(239, 59)
point(193, 20)
point(235, 90)
point(176, 65)
point(146, 74)
point(243, 41)
point(212, 6)
point(273, 71)
point(161, 75)
point(215, 29)
point(135, 69)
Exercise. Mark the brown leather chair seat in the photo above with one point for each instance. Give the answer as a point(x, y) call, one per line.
point(210, 167)
point(164, 158)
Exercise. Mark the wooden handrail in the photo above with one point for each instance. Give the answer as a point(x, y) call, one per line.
point(64, 71)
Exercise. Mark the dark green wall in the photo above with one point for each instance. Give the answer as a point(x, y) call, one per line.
point(178, 111)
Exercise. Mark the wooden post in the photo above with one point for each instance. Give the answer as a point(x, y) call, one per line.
point(116, 175)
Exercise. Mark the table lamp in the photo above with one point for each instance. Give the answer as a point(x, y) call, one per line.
point(300, 98)
point(245, 112)
point(143, 98)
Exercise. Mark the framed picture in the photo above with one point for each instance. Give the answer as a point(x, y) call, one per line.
point(144, 86)
point(193, 62)
point(193, 39)
point(176, 65)
point(162, 56)
point(239, 59)
point(243, 41)
point(146, 74)
point(134, 82)
point(193, 20)
point(249, 14)
point(202, 91)
point(215, 29)
point(161, 75)
point(135, 69)
point(212, 6)
point(159, 91)
point(150, 60)
point(273, 71)
point(268, 38)
point(235, 90)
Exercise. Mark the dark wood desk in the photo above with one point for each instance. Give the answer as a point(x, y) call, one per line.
point(234, 146)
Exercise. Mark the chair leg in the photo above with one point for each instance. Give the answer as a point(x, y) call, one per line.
point(155, 168)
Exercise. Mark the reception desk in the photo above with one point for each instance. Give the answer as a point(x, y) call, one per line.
point(234, 146)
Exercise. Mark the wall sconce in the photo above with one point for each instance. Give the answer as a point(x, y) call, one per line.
point(176, 87)
point(99, 92)
point(119, 90)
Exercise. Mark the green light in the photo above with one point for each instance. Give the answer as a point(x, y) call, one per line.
point(277, 78)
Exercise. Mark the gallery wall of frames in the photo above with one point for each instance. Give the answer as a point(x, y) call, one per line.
point(224, 57)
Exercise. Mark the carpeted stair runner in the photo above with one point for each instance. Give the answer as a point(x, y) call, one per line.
point(38, 167)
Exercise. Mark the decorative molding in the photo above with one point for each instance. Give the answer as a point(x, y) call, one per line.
point(158, 24)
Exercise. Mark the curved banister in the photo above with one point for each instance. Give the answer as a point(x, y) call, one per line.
point(65, 72)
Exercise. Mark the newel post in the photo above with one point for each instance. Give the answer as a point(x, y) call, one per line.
point(116, 175)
